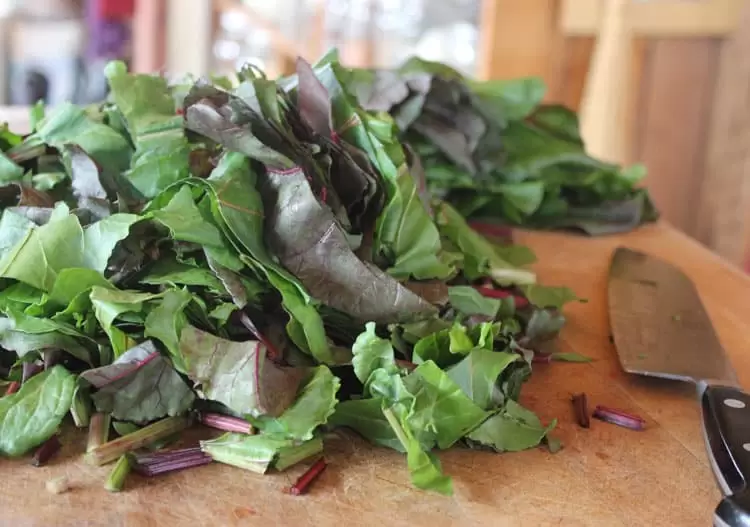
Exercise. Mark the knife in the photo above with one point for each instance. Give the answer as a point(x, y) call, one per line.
point(660, 328)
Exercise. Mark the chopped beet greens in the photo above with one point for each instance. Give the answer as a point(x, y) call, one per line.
point(278, 258)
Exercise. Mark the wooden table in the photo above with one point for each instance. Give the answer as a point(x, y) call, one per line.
point(606, 475)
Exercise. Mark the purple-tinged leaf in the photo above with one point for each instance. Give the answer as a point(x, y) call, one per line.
point(305, 237)
point(140, 386)
point(128, 363)
point(238, 374)
point(313, 100)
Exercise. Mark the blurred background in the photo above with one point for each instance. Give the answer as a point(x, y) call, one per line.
point(663, 82)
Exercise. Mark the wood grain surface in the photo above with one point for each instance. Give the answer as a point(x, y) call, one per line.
point(605, 475)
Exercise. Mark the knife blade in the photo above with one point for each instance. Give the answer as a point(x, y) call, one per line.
point(660, 328)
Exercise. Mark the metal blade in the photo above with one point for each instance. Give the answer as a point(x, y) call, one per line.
point(659, 324)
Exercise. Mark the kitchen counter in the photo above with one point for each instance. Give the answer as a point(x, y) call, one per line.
point(606, 475)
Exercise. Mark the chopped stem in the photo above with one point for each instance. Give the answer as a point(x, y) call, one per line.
point(12, 388)
point(45, 452)
point(581, 408)
point(155, 464)
point(620, 418)
point(116, 479)
point(398, 430)
point(226, 423)
point(303, 483)
point(98, 430)
point(110, 451)
point(157, 457)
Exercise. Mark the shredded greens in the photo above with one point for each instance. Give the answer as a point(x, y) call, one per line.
point(497, 153)
point(245, 246)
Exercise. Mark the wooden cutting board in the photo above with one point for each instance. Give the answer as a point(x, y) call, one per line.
point(605, 475)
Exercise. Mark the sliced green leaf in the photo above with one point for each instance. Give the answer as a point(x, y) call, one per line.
point(33, 414)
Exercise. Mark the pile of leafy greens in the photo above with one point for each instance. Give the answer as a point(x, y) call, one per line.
point(267, 250)
point(496, 153)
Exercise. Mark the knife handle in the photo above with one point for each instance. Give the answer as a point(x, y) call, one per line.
point(732, 511)
point(726, 425)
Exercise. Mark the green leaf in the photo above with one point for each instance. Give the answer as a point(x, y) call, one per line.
point(468, 301)
point(404, 234)
point(406, 231)
point(559, 121)
point(424, 468)
point(240, 288)
point(101, 237)
point(110, 304)
point(48, 180)
point(166, 321)
point(543, 325)
point(365, 416)
point(185, 222)
point(478, 376)
point(524, 197)
point(33, 414)
point(426, 472)
point(260, 452)
point(241, 208)
point(548, 297)
point(9, 171)
point(140, 386)
point(517, 255)
point(168, 272)
point(441, 410)
point(444, 347)
point(480, 257)
point(162, 151)
point(371, 353)
point(44, 335)
point(69, 124)
point(237, 374)
point(222, 312)
point(36, 114)
point(510, 99)
point(45, 251)
point(315, 403)
point(511, 430)
point(13, 228)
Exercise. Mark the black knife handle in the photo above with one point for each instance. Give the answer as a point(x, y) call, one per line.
point(733, 511)
point(726, 424)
